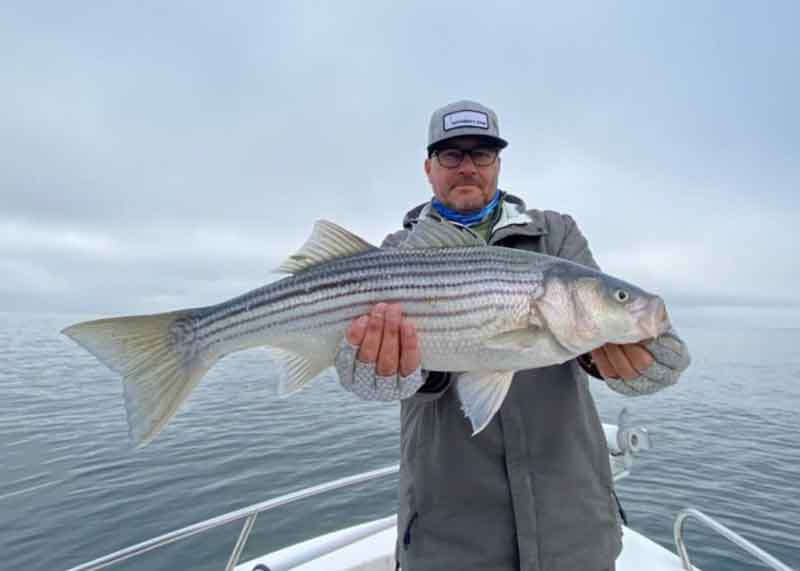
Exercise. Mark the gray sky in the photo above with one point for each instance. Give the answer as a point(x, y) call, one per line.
point(160, 155)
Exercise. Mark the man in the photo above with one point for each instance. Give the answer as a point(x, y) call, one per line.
point(533, 491)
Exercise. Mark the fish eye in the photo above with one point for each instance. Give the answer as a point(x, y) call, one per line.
point(621, 295)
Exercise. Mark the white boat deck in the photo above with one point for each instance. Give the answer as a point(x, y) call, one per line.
point(376, 553)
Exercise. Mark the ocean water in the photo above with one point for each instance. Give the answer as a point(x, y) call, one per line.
point(727, 441)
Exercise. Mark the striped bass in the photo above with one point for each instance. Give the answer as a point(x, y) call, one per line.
point(483, 311)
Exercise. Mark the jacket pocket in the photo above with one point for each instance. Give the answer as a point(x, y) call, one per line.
point(407, 533)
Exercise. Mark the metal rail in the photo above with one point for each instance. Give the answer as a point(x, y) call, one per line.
point(680, 544)
point(292, 557)
point(250, 513)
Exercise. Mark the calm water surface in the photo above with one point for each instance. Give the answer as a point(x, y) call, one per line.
point(727, 441)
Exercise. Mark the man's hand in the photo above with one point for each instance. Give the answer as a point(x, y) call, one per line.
point(387, 339)
point(379, 357)
point(625, 362)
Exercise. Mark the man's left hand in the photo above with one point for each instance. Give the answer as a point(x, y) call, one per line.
point(625, 362)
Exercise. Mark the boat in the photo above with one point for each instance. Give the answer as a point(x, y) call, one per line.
point(370, 546)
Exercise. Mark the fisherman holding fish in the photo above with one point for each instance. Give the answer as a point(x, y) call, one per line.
point(531, 489)
point(482, 316)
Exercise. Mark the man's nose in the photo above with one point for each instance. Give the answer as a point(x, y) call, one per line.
point(467, 166)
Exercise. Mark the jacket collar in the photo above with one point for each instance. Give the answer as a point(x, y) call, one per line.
point(514, 219)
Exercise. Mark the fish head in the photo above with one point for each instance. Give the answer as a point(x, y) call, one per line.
point(585, 309)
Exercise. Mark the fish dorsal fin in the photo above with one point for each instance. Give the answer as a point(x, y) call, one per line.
point(328, 241)
point(427, 234)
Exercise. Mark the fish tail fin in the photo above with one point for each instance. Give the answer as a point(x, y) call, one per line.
point(158, 358)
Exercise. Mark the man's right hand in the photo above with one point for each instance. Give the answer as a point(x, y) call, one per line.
point(379, 357)
point(387, 339)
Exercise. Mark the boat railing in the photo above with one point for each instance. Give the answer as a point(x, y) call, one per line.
point(249, 514)
point(624, 442)
point(680, 524)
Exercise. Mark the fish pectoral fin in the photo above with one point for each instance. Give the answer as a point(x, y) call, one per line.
point(481, 394)
point(295, 370)
point(518, 339)
point(328, 241)
point(428, 234)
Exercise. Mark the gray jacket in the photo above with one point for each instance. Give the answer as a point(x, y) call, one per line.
point(533, 491)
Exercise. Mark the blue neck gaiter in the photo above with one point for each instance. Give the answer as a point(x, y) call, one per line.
point(467, 219)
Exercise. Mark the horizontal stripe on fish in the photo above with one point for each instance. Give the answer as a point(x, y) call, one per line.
point(354, 309)
point(447, 330)
point(390, 291)
point(282, 290)
point(336, 272)
point(441, 292)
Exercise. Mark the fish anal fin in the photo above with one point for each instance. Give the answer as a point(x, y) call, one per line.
point(296, 370)
point(328, 241)
point(481, 395)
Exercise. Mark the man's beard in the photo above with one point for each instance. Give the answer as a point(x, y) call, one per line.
point(470, 202)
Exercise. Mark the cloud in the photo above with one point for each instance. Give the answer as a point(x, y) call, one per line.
point(156, 156)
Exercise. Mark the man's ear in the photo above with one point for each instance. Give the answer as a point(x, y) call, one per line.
point(428, 168)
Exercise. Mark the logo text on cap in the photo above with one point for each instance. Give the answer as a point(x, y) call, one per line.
point(460, 119)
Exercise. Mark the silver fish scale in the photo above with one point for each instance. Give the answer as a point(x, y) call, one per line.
point(456, 297)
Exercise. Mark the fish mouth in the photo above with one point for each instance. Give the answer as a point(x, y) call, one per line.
point(653, 319)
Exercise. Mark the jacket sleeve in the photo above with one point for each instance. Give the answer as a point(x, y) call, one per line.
point(670, 353)
point(567, 241)
point(670, 358)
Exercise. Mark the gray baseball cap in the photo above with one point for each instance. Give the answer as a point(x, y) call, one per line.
point(464, 118)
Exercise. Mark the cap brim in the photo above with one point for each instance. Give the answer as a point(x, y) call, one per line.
point(495, 141)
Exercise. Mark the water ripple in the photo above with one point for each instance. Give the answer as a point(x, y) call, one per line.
point(725, 442)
